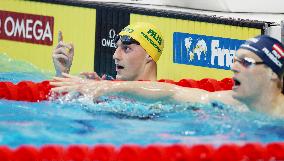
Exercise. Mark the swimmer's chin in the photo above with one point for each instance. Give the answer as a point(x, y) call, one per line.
point(236, 96)
point(119, 78)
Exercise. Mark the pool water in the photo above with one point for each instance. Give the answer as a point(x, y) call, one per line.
point(123, 119)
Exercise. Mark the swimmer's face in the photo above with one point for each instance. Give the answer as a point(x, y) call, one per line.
point(250, 75)
point(130, 61)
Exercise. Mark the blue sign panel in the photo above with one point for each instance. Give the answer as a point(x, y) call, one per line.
point(205, 51)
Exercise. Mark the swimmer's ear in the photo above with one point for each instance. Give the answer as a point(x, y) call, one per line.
point(273, 76)
point(149, 58)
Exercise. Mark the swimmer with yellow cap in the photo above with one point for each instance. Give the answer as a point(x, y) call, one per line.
point(139, 47)
point(258, 75)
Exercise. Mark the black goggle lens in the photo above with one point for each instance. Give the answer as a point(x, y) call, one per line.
point(126, 40)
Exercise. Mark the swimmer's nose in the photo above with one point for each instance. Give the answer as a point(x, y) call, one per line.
point(117, 54)
point(235, 67)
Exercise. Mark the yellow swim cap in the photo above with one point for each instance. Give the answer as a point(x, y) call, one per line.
point(149, 37)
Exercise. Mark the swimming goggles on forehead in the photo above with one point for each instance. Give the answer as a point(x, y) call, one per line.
point(247, 62)
point(125, 40)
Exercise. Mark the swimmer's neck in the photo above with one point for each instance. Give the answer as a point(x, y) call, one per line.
point(278, 105)
point(270, 103)
point(147, 77)
point(149, 73)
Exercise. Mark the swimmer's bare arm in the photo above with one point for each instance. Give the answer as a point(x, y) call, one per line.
point(158, 90)
point(226, 98)
point(153, 90)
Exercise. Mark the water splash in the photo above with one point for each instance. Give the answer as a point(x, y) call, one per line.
point(16, 70)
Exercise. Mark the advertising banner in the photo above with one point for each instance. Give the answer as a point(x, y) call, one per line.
point(204, 51)
point(36, 29)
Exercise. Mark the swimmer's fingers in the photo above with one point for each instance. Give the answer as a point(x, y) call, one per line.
point(70, 54)
point(64, 89)
point(60, 36)
point(60, 44)
point(70, 47)
point(63, 44)
point(75, 78)
point(66, 75)
point(61, 84)
point(78, 79)
point(91, 75)
point(94, 88)
point(60, 60)
point(64, 49)
point(68, 81)
point(60, 79)
point(68, 78)
point(59, 51)
point(104, 77)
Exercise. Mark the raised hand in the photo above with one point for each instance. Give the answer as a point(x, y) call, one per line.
point(62, 56)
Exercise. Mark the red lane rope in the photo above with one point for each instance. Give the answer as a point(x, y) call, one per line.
point(35, 92)
point(25, 91)
point(175, 152)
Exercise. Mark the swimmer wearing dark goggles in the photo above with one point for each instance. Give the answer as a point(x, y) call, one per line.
point(125, 40)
